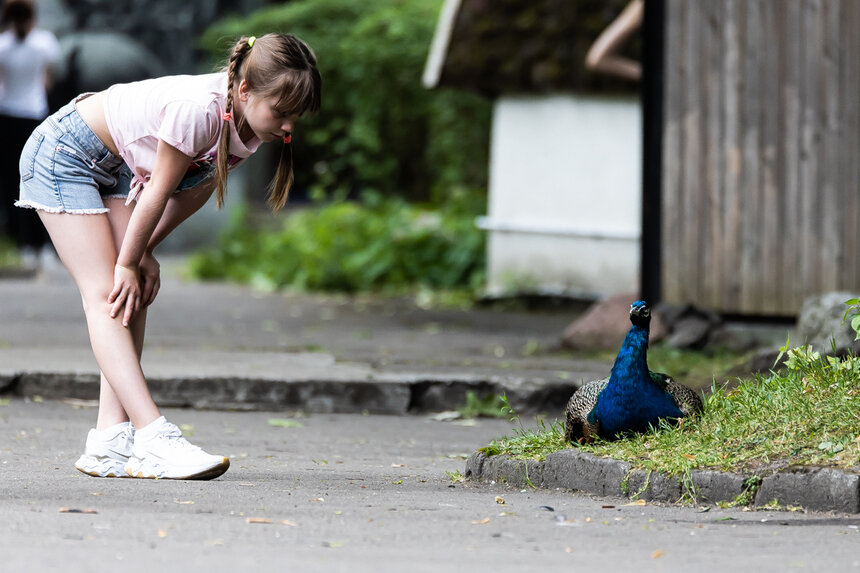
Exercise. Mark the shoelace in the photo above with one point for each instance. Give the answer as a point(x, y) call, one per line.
point(174, 437)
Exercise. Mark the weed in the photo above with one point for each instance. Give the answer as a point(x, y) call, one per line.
point(489, 406)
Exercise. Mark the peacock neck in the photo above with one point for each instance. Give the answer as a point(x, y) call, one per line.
point(631, 364)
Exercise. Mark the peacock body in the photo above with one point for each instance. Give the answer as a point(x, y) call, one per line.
point(632, 398)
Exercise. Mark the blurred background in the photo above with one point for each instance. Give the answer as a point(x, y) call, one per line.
point(465, 146)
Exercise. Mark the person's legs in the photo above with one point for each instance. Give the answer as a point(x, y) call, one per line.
point(111, 410)
point(86, 246)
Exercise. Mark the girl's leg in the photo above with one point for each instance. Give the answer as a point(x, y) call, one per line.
point(86, 244)
point(110, 408)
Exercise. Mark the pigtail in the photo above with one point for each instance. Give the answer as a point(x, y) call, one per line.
point(284, 68)
point(280, 186)
point(239, 50)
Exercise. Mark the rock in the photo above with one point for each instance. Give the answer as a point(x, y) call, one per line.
point(690, 326)
point(605, 324)
point(761, 362)
point(821, 319)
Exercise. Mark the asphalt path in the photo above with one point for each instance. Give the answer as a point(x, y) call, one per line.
point(357, 493)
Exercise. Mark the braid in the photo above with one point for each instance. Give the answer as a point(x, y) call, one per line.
point(236, 58)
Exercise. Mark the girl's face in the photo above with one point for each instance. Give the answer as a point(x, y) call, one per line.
point(262, 117)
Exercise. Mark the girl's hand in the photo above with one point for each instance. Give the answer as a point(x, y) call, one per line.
point(126, 293)
point(150, 276)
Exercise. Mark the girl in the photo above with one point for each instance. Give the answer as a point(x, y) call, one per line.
point(111, 174)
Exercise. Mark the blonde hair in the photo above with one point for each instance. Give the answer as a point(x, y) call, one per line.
point(278, 65)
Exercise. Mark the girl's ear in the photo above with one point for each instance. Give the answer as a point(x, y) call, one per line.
point(244, 90)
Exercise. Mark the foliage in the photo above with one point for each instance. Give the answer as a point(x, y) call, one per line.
point(8, 254)
point(372, 244)
point(489, 406)
point(854, 312)
point(379, 129)
point(807, 414)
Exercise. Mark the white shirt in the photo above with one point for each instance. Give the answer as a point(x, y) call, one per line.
point(22, 72)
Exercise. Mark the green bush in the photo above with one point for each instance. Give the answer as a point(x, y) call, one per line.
point(379, 128)
point(372, 244)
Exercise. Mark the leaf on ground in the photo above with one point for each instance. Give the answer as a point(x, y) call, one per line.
point(446, 416)
point(285, 423)
point(288, 522)
point(183, 501)
point(398, 465)
point(500, 500)
point(657, 554)
point(162, 534)
point(484, 521)
point(637, 502)
point(258, 520)
point(75, 403)
point(77, 510)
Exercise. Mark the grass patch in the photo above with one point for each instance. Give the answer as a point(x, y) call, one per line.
point(9, 258)
point(488, 406)
point(808, 414)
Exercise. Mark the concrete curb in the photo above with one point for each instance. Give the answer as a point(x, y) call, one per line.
point(395, 393)
point(814, 488)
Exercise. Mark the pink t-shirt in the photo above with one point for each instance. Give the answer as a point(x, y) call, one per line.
point(184, 111)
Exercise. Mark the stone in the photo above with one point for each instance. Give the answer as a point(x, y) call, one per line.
point(580, 471)
point(605, 324)
point(712, 486)
point(8, 382)
point(818, 489)
point(653, 486)
point(475, 465)
point(690, 326)
point(820, 320)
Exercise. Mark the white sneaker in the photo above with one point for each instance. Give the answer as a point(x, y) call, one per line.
point(107, 451)
point(160, 452)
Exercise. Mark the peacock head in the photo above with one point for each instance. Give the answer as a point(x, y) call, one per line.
point(640, 313)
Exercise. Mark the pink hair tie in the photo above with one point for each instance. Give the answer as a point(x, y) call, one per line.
point(288, 138)
point(227, 116)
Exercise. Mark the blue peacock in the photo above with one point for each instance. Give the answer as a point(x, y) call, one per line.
point(632, 398)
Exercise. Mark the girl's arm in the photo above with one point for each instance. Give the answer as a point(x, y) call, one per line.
point(170, 166)
point(180, 206)
point(603, 57)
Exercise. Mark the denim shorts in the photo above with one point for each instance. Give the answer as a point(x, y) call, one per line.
point(65, 168)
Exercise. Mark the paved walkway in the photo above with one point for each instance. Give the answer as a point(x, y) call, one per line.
point(227, 346)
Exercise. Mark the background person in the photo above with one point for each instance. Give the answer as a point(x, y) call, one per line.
point(26, 56)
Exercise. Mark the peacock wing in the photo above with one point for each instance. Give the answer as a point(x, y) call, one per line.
point(579, 421)
point(686, 399)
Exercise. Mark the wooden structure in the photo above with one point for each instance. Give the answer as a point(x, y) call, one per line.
point(761, 159)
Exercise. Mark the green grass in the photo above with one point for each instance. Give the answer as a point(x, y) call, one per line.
point(9, 258)
point(808, 414)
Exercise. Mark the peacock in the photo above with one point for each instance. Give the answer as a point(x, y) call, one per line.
point(632, 397)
